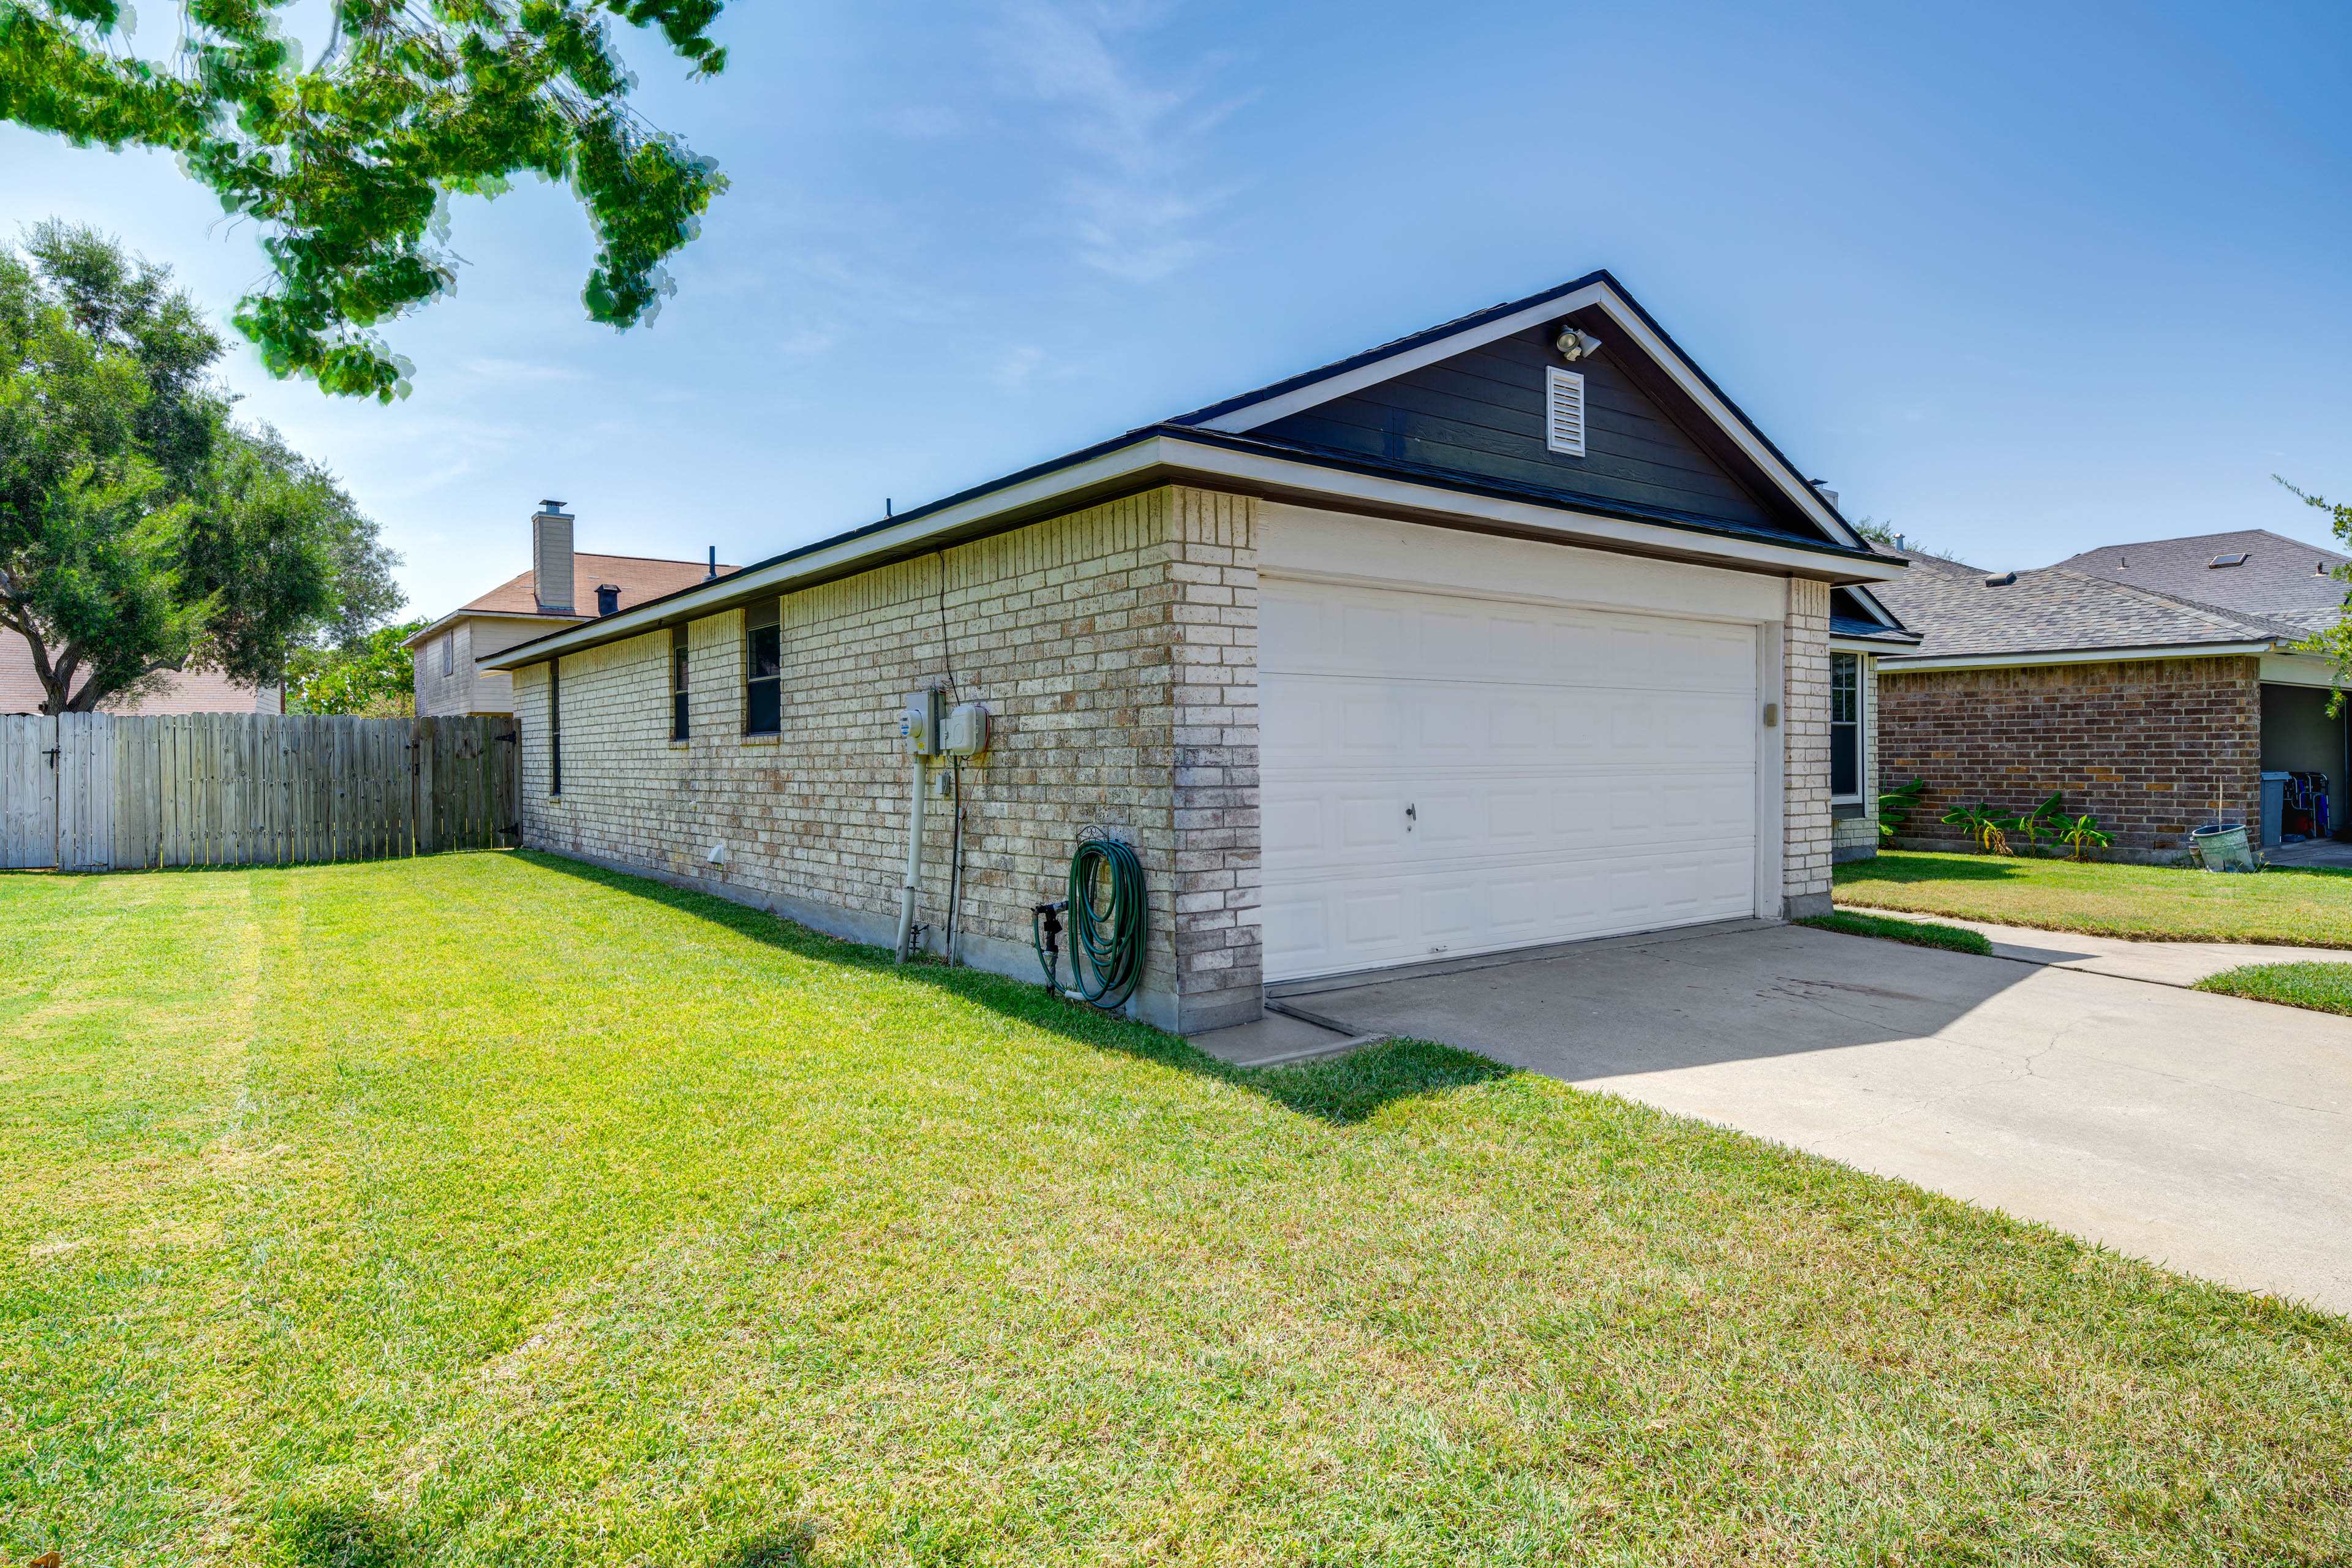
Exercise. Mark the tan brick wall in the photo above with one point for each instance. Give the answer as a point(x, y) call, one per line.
point(1115, 649)
point(2146, 745)
point(1806, 851)
point(1856, 837)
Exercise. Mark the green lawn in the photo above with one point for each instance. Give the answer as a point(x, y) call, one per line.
point(2322, 987)
point(487, 1210)
point(1918, 933)
point(2154, 903)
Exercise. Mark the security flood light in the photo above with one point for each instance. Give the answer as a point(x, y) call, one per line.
point(1575, 343)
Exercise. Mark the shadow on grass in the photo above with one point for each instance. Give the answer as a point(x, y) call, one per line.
point(335, 1533)
point(790, 1549)
point(1341, 1089)
point(1918, 868)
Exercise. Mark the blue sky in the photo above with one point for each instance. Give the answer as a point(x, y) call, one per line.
point(2023, 278)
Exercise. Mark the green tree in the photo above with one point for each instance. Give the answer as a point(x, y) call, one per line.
point(142, 529)
point(2336, 641)
point(372, 675)
point(347, 163)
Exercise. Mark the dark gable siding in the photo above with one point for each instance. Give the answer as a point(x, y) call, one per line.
point(1481, 414)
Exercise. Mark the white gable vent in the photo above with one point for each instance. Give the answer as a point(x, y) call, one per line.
point(1564, 412)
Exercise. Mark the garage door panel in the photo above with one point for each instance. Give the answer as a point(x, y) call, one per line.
point(1411, 724)
point(1342, 924)
point(1572, 773)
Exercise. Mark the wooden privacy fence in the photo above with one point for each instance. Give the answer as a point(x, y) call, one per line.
point(95, 792)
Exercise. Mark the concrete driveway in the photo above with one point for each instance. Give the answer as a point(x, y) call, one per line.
point(2207, 1133)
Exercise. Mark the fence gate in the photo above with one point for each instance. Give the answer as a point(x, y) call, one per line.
point(28, 792)
point(85, 780)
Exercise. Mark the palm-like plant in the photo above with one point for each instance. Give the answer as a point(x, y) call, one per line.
point(1986, 826)
point(2032, 824)
point(1896, 806)
point(2080, 833)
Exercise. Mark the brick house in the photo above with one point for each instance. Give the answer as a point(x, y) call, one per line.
point(1512, 632)
point(2106, 676)
point(558, 591)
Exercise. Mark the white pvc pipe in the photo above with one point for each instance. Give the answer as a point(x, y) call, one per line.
point(914, 859)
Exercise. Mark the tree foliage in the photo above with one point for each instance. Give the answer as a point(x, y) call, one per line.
point(2336, 641)
point(142, 529)
point(372, 675)
point(348, 162)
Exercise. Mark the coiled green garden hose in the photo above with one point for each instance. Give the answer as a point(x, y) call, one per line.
point(1106, 910)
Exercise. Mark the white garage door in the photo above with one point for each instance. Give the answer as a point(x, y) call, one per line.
point(1445, 775)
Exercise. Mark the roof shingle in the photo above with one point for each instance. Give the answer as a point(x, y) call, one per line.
point(2278, 578)
point(639, 578)
point(1957, 611)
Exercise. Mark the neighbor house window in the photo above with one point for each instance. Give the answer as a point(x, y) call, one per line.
point(1845, 726)
point(448, 653)
point(677, 717)
point(555, 727)
point(764, 668)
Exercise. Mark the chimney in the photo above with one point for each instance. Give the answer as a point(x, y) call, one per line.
point(551, 558)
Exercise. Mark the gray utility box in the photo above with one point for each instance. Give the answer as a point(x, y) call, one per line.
point(2273, 807)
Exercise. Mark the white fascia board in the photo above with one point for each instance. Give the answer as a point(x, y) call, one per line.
point(1898, 663)
point(1104, 469)
point(1249, 417)
point(2298, 669)
point(1878, 612)
point(454, 616)
point(1560, 522)
point(1214, 462)
point(1869, 645)
point(1627, 320)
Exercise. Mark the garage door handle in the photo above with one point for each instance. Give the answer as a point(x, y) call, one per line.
point(1411, 815)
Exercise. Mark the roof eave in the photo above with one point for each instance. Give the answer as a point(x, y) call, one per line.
point(1157, 455)
point(2019, 657)
point(414, 637)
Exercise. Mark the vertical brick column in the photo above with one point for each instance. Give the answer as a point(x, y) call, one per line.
point(1213, 674)
point(1805, 853)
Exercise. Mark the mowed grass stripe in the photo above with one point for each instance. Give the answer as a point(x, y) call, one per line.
point(566, 1217)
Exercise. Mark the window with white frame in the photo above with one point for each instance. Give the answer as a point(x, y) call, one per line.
point(1845, 726)
point(448, 653)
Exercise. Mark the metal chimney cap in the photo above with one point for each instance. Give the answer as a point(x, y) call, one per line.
point(550, 508)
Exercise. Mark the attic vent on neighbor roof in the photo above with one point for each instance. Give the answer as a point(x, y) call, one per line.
point(2237, 559)
point(2003, 581)
point(1564, 412)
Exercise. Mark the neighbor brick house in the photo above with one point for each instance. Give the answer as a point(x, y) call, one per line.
point(2153, 684)
point(1512, 632)
point(561, 589)
point(173, 691)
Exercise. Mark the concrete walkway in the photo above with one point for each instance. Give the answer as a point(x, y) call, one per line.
point(2320, 852)
point(2208, 1133)
point(2163, 963)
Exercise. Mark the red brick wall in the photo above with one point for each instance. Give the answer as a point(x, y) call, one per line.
point(2144, 745)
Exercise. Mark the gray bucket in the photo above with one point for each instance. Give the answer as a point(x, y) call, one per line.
point(2222, 846)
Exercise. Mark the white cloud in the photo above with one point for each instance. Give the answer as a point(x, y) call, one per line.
point(1137, 201)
